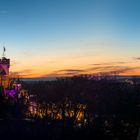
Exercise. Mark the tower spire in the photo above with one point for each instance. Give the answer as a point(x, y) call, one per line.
point(4, 50)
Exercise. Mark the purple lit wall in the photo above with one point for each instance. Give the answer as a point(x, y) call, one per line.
point(11, 93)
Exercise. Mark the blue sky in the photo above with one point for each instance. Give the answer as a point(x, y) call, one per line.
point(50, 34)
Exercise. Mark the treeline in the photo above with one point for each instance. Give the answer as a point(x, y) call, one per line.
point(102, 96)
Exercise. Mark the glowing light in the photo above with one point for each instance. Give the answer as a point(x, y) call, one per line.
point(11, 92)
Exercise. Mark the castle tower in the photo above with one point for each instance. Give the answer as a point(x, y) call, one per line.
point(4, 70)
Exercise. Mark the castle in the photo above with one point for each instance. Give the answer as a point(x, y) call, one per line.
point(11, 87)
point(4, 72)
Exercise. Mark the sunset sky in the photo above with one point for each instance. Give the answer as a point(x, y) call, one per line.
point(48, 38)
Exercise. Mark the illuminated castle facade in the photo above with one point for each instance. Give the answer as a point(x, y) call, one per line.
point(4, 72)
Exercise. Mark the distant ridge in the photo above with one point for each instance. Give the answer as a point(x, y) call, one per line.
point(55, 78)
point(39, 79)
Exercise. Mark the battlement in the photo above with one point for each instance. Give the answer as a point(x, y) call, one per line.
point(5, 61)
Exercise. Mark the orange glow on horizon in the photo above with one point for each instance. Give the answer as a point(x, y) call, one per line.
point(44, 75)
point(70, 66)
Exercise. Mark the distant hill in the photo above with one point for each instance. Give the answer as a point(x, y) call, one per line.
point(39, 79)
point(54, 78)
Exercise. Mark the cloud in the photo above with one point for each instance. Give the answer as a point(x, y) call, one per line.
point(65, 72)
point(27, 75)
point(101, 68)
point(120, 67)
point(109, 63)
point(110, 68)
point(98, 70)
point(117, 71)
point(70, 70)
point(137, 58)
point(25, 72)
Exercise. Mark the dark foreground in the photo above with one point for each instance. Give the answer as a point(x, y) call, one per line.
point(57, 130)
point(73, 109)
